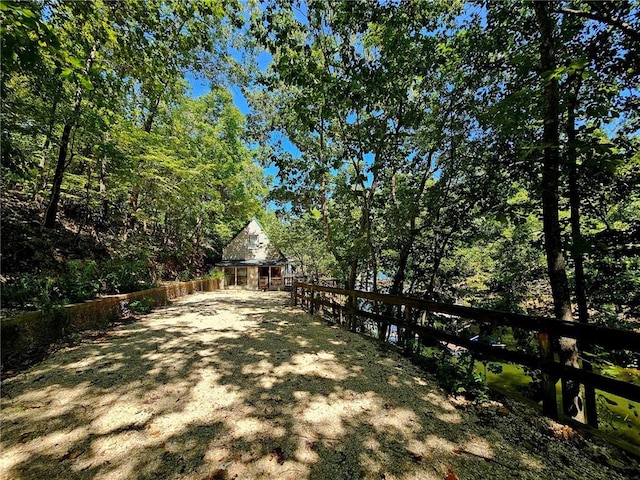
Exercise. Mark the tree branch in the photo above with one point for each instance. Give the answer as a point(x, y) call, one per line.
point(623, 26)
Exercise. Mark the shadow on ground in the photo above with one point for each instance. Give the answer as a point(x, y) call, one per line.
point(239, 385)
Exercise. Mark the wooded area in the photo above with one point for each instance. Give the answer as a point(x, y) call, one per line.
point(103, 145)
point(470, 152)
point(478, 153)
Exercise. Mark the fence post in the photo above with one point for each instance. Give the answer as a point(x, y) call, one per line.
point(333, 306)
point(350, 317)
point(312, 306)
point(407, 332)
point(303, 301)
point(294, 291)
point(590, 406)
point(549, 400)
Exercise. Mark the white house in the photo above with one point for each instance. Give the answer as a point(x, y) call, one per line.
point(250, 261)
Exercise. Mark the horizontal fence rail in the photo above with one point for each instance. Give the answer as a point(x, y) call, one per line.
point(408, 317)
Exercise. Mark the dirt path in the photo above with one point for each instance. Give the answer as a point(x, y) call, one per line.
point(229, 385)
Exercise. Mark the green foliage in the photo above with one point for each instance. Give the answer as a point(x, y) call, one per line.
point(418, 133)
point(302, 239)
point(457, 375)
point(620, 416)
point(141, 306)
point(80, 282)
point(125, 275)
point(31, 291)
point(215, 274)
point(94, 104)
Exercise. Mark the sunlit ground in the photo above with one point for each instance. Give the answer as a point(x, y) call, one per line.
point(227, 385)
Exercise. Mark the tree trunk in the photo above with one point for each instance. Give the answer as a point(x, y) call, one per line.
point(51, 214)
point(438, 256)
point(571, 399)
point(42, 180)
point(54, 198)
point(577, 253)
point(104, 213)
point(351, 303)
point(87, 203)
point(397, 285)
point(131, 221)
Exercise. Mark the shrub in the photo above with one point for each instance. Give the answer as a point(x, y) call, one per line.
point(215, 274)
point(142, 306)
point(80, 281)
point(125, 275)
point(457, 375)
point(32, 291)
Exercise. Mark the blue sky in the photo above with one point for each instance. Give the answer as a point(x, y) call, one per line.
point(202, 86)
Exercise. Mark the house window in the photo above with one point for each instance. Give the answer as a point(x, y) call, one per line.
point(241, 276)
point(229, 276)
point(253, 242)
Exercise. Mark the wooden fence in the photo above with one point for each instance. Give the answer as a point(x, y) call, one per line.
point(415, 319)
point(24, 336)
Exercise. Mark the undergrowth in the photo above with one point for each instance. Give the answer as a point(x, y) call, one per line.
point(457, 375)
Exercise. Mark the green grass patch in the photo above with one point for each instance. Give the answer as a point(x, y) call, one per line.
point(616, 415)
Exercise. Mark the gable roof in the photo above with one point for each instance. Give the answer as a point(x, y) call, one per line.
point(242, 229)
point(254, 219)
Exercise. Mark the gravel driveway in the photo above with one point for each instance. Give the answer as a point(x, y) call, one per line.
point(227, 385)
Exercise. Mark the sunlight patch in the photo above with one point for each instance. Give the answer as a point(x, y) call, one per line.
point(322, 364)
point(126, 413)
point(479, 446)
point(530, 462)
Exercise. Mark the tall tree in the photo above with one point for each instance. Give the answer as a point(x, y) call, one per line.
point(572, 402)
point(355, 100)
point(101, 58)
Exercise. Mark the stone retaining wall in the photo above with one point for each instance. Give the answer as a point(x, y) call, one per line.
point(30, 335)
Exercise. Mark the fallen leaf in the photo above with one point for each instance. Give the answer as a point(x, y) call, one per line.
point(450, 475)
point(71, 455)
point(563, 432)
point(503, 411)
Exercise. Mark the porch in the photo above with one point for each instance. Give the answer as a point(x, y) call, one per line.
point(242, 276)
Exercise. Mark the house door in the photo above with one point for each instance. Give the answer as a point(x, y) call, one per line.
point(263, 278)
point(276, 277)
